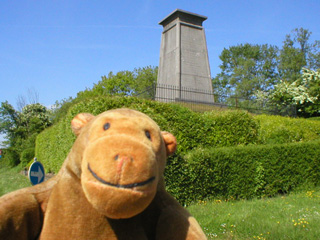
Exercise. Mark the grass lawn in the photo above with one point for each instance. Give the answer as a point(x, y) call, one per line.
point(294, 216)
point(11, 179)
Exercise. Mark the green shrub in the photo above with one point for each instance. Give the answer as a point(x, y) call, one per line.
point(191, 129)
point(53, 145)
point(26, 156)
point(10, 157)
point(277, 129)
point(250, 171)
point(232, 128)
point(314, 118)
point(241, 172)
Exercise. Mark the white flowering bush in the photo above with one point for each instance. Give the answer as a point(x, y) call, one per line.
point(37, 115)
point(310, 75)
point(303, 93)
point(286, 93)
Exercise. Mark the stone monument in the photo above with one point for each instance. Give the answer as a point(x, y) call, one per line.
point(184, 71)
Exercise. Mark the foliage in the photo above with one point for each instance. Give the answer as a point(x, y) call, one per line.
point(26, 156)
point(251, 171)
point(21, 128)
point(191, 129)
point(119, 84)
point(124, 83)
point(245, 69)
point(277, 129)
point(298, 52)
point(9, 120)
point(139, 82)
point(11, 157)
point(60, 109)
point(312, 78)
point(231, 128)
point(287, 93)
point(145, 80)
point(34, 118)
point(302, 93)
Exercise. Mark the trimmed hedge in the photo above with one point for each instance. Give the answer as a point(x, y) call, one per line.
point(245, 171)
point(26, 156)
point(191, 129)
point(250, 171)
point(277, 129)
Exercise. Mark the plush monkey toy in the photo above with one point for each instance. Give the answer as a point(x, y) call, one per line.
point(111, 186)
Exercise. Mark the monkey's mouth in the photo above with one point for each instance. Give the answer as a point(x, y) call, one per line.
point(126, 186)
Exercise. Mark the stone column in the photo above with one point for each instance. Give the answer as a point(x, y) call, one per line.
point(184, 71)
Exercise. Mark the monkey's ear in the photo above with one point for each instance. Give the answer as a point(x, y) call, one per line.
point(170, 141)
point(79, 121)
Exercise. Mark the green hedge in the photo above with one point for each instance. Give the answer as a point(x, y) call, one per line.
point(249, 171)
point(277, 129)
point(191, 129)
point(26, 156)
point(205, 173)
point(10, 157)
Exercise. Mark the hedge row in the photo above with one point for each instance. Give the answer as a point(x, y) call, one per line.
point(248, 171)
point(277, 129)
point(191, 129)
point(241, 172)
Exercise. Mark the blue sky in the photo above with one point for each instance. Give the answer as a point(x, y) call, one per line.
point(58, 48)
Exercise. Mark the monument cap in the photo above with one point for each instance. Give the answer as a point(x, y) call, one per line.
point(184, 16)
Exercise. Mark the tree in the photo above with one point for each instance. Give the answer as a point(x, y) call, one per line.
point(124, 83)
point(303, 93)
point(9, 120)
point(120, 84)
point(22, 127)
point(312, 79)
point(297, 52)
point(245, 69)
point(251, 70)
point(34, 118)
point(145, 81)
point(139, 82)
point(60, 109)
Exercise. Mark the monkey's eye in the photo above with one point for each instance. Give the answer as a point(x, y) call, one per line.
point(106, 126)
point(148, 134)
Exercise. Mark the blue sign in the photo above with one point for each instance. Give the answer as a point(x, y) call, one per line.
point(36, 173)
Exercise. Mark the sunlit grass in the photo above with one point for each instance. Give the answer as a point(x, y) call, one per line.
point(11, 179)
point(296, 216)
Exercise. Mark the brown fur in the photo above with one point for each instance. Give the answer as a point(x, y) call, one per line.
point(110, 186)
